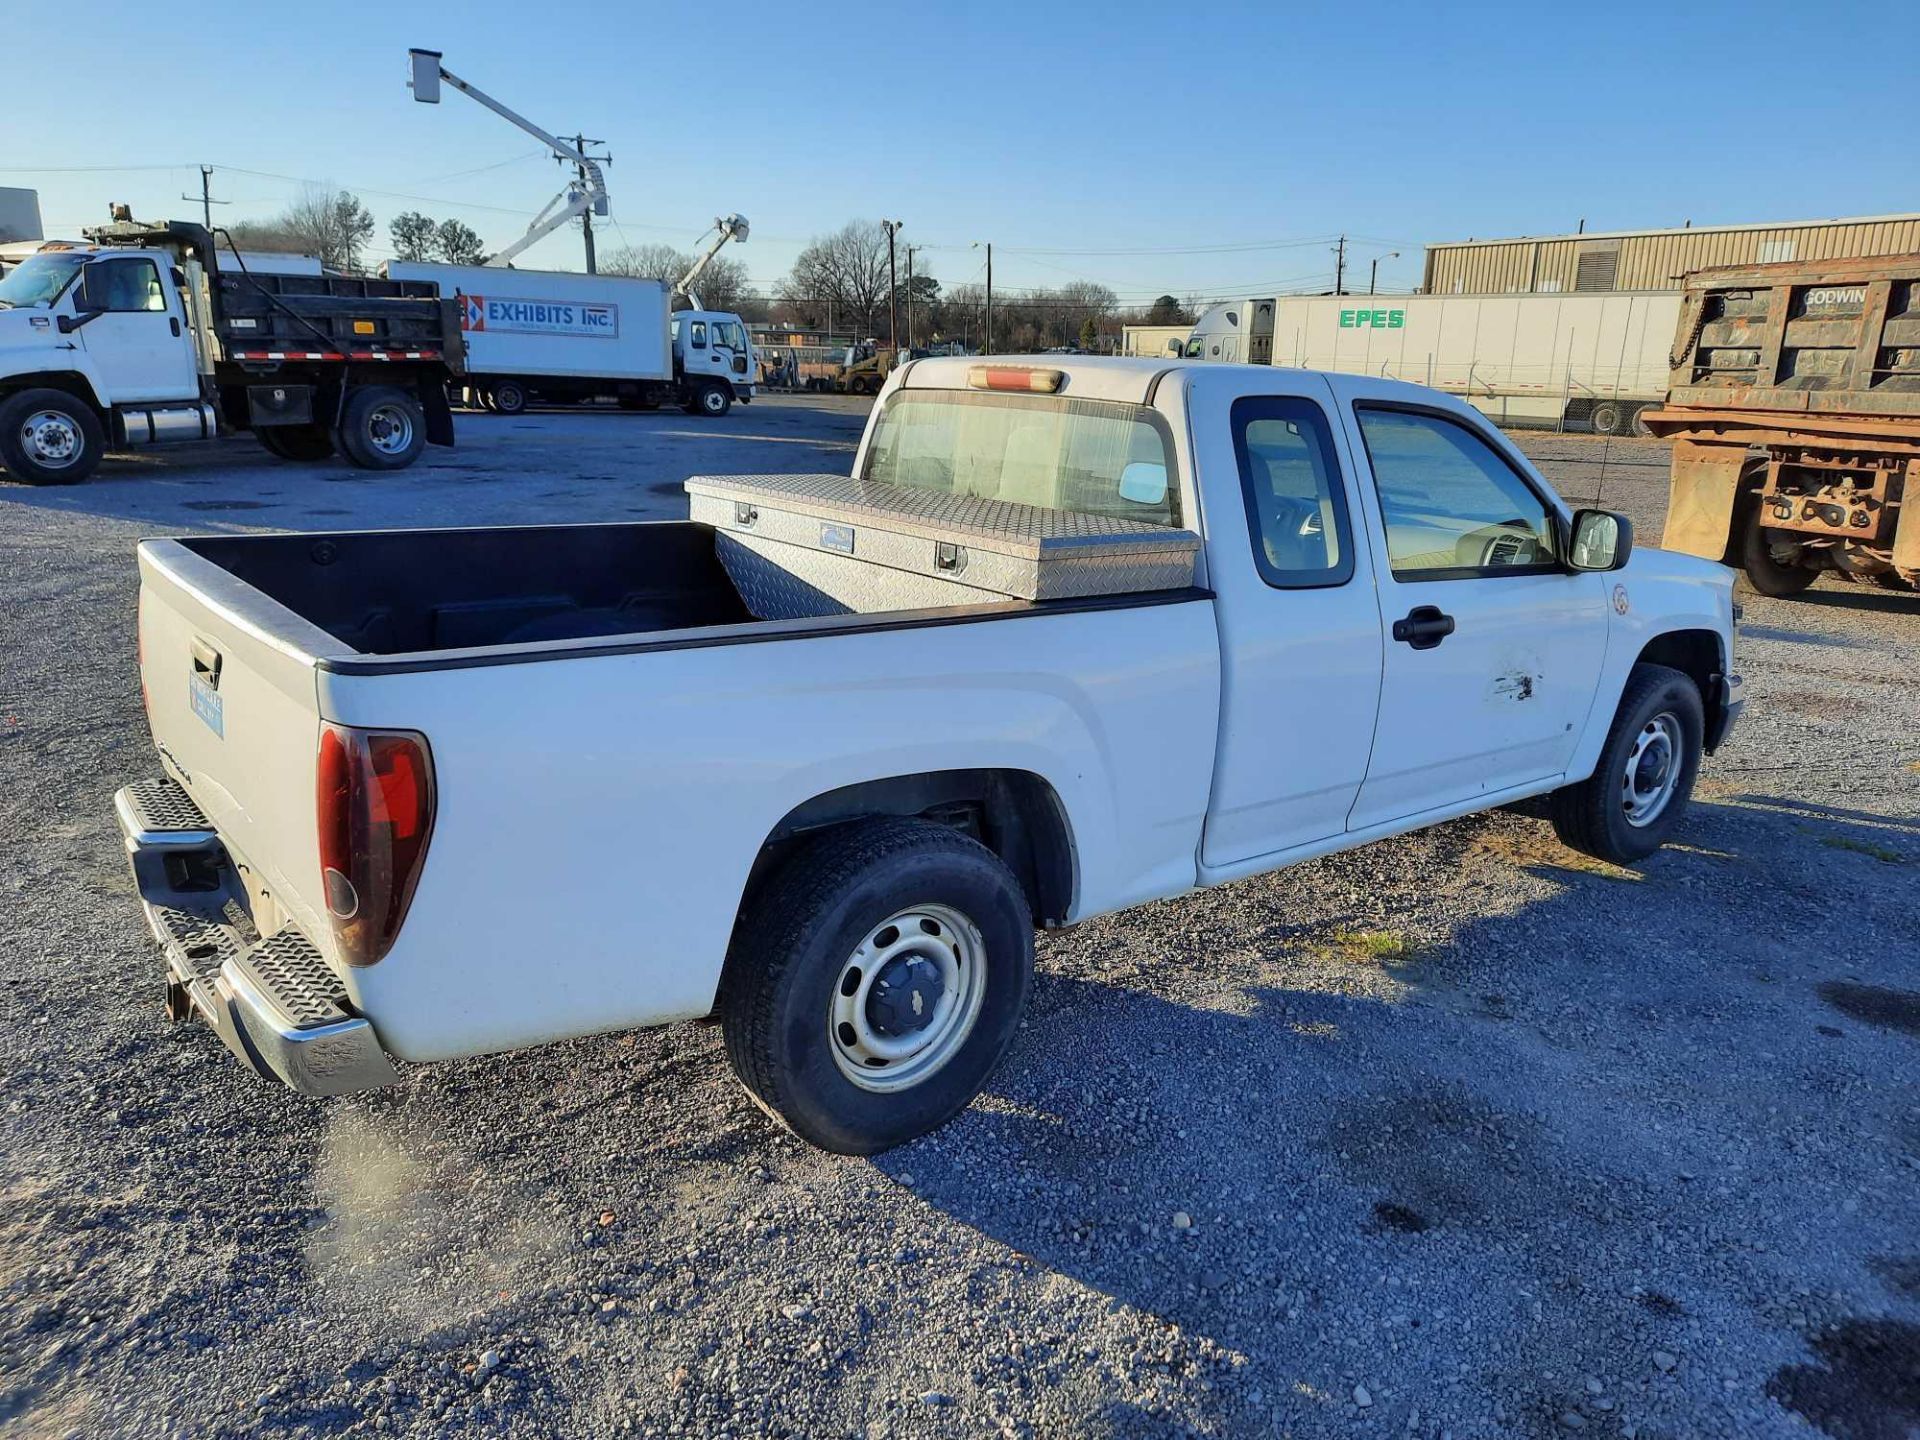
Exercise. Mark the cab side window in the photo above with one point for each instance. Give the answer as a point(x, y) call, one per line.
point(1296, 503)
point(1454, 507)
point(698, 338)
point(133, 285)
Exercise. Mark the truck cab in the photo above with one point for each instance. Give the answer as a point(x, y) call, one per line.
point(709, 346)
point(112, 320)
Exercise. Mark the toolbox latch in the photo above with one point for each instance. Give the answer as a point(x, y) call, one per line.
point(948, 556)
point(743, 513)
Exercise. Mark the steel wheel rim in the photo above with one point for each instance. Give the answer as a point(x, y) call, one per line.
point(52, 439)
point(948, 945)
point(390, 429)
point(713, 402)
point(1652, 771)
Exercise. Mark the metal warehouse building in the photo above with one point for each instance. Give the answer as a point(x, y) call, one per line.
point(1652, 260)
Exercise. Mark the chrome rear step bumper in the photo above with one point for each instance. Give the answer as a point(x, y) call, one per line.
point(274, 1002)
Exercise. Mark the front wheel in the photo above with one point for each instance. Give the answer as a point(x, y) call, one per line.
point(383, 428)
point(713, 401)
point(875, 982)
point(47, 437)
point(1629, 806)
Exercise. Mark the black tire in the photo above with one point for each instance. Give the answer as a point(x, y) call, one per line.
point(1637, 422)
point(383, 428)
point(295, 442)
point(1765, 574)
point(1593, 816)
point(1607, 418)
point(791, 954)
point(713, 400)
point(47, 437)
point(509, 397)
point(638, 402)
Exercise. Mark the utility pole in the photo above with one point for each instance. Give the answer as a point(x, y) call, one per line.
point(580, 143)
point(986, 340)
point(910, 250)
point(1340, 267)
point(1373, 274)
point(892, 227)
point(207, 202)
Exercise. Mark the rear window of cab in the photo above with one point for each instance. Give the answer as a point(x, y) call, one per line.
point(1089, 457)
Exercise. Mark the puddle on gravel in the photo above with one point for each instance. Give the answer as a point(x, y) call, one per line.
point(1866, 1385)
point(1874, 1004)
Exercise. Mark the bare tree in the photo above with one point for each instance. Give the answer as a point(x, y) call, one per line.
point(647, 262)
point(722, 285)
point(332, 224)
point(844, 274)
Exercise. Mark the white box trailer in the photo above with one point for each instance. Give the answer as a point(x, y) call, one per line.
point(1585, 361)
point(563, 337)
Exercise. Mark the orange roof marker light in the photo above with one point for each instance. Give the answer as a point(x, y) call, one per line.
point(1015, 377)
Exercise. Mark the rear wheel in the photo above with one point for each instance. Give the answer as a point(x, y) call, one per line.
point(638, 402)
point(47, 437)
point(1606, 418)
point(295, 442)
point(509, 397)
point(875, 981)
point(1637, 793)
point(383, 428)
point(1766, 572)
point(1638, 424)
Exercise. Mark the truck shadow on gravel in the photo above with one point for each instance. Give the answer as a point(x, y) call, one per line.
point(1545, 1126)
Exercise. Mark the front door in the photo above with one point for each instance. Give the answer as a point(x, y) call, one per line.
point(138, 343)
point(1493, 648)
point(1300, 643)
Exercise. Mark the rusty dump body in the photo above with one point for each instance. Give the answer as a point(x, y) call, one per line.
point(1794, 407)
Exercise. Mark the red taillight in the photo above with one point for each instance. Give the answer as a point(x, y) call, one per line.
point(374, 797)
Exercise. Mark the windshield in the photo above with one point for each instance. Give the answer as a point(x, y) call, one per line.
point(39, 280)
point(1091, 457)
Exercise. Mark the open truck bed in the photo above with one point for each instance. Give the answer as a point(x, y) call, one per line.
point(261, 652)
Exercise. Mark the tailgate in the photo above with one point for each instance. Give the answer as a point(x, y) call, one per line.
point(229, 680)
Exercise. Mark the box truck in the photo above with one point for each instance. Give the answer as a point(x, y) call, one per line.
point(562, 337)
point(1583, 362)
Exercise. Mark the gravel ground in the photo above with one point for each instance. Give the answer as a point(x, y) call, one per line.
point(1458, 1135)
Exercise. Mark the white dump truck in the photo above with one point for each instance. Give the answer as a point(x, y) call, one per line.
point(818, 760)
point(559, 336)
point(153, 335)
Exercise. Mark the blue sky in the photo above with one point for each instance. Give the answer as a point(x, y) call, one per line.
point(1115, 142)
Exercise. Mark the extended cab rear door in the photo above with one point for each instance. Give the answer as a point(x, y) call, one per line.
point(1494, 649)
point(1300, 631)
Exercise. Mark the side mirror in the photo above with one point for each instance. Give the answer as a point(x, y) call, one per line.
point(90, 295)
point(1144, 483)
point(1600, 540)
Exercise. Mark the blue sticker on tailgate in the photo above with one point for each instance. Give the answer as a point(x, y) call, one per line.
point(206, 704)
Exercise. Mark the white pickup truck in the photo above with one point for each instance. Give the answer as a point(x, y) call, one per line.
point(818, 760)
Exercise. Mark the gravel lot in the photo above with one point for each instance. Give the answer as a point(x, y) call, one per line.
point(1462, 1134)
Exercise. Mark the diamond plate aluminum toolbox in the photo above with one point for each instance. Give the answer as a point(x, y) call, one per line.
point(804, 545)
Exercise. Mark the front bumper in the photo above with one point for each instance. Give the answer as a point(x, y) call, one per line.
point(273, 1002)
